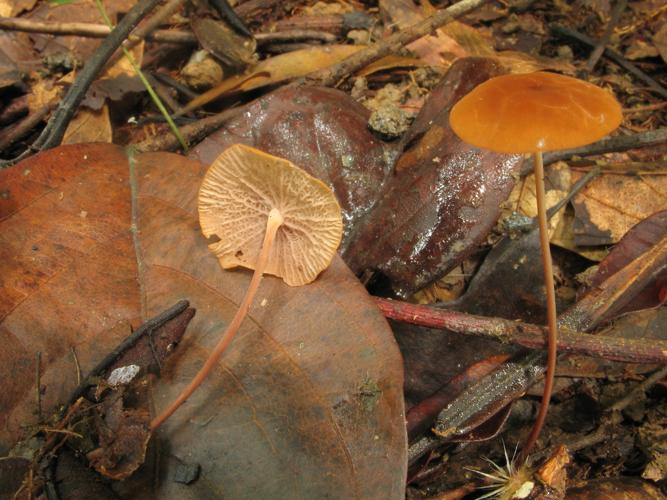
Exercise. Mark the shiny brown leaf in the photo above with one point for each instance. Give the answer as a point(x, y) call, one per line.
point(307, 401)
point(443, 198)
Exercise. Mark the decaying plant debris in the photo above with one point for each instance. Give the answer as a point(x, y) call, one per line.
point(440, 232)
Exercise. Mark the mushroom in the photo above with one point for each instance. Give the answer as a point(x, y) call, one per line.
point(270, 216)
point(532, 113)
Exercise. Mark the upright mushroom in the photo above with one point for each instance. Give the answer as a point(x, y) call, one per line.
point(532, 113)
point(270, 216)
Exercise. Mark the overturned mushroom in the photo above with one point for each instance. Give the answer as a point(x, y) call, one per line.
point(270, 216)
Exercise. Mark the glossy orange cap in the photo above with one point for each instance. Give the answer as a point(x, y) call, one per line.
point(534, 112)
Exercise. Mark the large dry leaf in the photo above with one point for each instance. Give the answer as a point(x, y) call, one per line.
point(307, 402)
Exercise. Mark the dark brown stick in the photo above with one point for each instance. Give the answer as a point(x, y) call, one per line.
point(23, 127)
point(149, 326)
point(602, 43)
point(609, 145)
point(192, 133)
point(17, 108)
point(613, 56)
point(526, 334)
point(333, 75)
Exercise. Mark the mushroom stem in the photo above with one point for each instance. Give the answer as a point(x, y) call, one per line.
point(274, 221)
point(551, 308)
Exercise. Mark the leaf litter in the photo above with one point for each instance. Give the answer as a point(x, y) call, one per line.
point(398, 239)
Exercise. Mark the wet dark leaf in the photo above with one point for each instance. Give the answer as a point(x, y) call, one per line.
point(323, 131)
point(443, 197)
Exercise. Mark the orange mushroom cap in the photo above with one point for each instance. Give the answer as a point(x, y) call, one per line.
point(533, 112)
point(237, 195)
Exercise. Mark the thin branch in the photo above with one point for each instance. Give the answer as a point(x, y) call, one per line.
point(149, 326)
point(192, 133)
point(609, 145)
point(333, 75)
point(23, 127)
point(526, 334)
point(180, 37)
point(150, 26)
point(91, 30)
point(602, 43)
point(613, 56)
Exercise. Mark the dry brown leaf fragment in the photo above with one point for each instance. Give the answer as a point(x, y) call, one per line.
point(89, 126)
point(611, 204)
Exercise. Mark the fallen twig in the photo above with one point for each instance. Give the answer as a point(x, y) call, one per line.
point(192, 132)
point(91, 30)
point(333, 75)
point(181, 37)
point(152, 23)
point(612, 55)
point(23, 127)
point(515, 376)
point(602, 43)
point(609, 145)
point(526, 334)
point(149, 326)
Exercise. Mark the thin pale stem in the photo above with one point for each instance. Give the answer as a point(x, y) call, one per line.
point(272, 225)
point(551, 308)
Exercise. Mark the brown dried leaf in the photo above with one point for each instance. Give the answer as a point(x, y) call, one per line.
point(275, 70)
point(89, 126)
point(12, 8)
point(307, 400)
point(611, 204)
point(224, 43)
